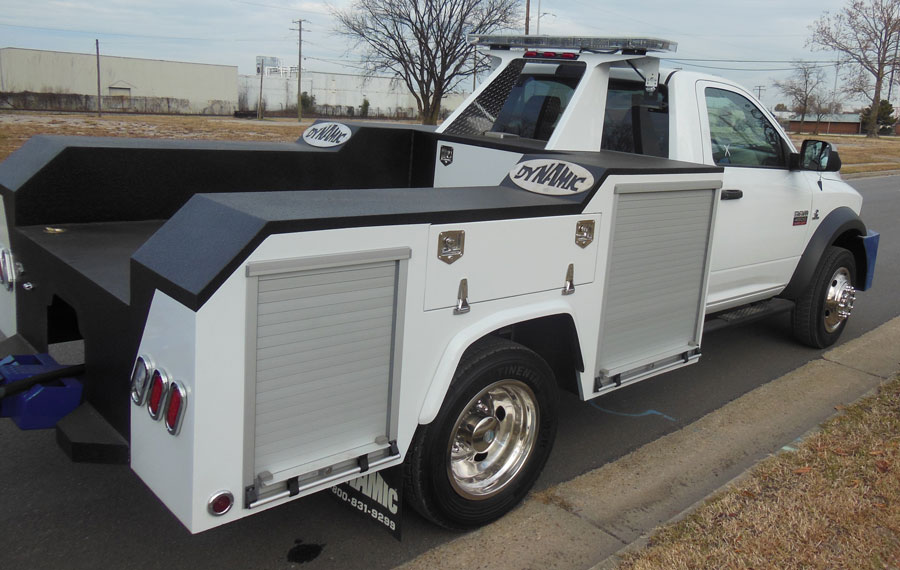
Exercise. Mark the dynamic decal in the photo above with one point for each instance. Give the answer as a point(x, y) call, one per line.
point(376, 496)
point(446, 155)
point(800, 217)
point(327, 134)
point(552, 177)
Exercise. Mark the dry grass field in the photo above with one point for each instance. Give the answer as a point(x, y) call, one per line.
point(861, 154)
point(858, 154)
point(832, 503)
point(17, 127)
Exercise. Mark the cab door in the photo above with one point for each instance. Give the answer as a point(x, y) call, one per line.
point(762, 219)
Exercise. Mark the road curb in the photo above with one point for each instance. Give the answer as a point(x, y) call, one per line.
point(877, 337)
point(870, 174)
point(613, 560)
point(594, 519)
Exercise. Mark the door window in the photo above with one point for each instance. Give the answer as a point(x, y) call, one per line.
point(740, 134)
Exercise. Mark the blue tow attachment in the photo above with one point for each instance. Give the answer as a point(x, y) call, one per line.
point(42, 405)
point(870, 245)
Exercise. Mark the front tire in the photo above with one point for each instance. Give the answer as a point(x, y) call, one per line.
point(822, 310)
point(489, 442)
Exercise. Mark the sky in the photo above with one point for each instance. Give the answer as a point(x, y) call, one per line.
point(756, 40)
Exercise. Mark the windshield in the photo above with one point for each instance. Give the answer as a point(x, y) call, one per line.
point(526, 100)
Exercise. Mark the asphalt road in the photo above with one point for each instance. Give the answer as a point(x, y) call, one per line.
point(56, 514)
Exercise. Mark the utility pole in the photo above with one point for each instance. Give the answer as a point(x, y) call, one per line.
point(299, 66)
point(259, 102)
point(759, 89)
point(99, 112)
point(527, 14)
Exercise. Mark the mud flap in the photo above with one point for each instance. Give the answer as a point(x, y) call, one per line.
point(377, 497)
point(870, 244)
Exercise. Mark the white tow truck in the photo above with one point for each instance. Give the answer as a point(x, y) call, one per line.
point(294, 315)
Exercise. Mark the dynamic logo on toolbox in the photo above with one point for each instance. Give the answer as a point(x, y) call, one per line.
point(327, 134)
point(552, 177)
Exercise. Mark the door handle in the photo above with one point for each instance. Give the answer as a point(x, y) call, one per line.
point(732, 194)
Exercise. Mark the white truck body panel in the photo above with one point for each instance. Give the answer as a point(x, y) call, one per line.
point(7, 297)
point(213, 355)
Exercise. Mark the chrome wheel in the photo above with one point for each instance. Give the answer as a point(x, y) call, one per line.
point(839, 299)
point(492, 439)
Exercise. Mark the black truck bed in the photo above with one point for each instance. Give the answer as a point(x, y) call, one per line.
point(101, 252)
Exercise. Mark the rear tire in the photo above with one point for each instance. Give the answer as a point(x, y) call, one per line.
point(490, 440)
point(822, 310)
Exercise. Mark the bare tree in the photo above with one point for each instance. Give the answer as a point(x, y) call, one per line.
point(424, 41)
point(802, 87)
point(865, 33)
point(822, 104)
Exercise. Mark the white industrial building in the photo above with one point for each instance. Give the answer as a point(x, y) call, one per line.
point(60, 81)
point(51, 80)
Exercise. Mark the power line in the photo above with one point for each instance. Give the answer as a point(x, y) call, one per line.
point(141, 36)
point(825, 61)
point(749, 68)
point(261, 5)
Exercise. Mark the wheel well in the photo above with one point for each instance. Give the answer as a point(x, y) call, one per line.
point(841, 227)
point(555, 339)
point(849, 240)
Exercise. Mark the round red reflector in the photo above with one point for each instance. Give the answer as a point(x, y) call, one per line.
point(220, 503)
point(531, 54)
point(568, 55)
point(549, 54)
point(158, 385)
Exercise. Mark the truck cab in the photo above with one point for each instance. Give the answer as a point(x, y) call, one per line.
point(770, 207)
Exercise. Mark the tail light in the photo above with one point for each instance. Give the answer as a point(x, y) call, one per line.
point(140, 377)
point(175, 404)
point(551, 54)
point(165, 398)
point(159, 384)
point(220, 503)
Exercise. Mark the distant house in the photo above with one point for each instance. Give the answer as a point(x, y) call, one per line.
point(837, 124)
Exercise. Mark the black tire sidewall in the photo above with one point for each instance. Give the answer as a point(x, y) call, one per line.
point(834, 259)
point(512, 363)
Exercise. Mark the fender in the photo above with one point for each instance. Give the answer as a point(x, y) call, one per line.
point(838, 222)
point(446, 368)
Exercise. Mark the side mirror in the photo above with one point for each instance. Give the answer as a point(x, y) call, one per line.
point(819, 156)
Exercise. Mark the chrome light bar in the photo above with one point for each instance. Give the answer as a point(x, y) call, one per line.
point(574, 42)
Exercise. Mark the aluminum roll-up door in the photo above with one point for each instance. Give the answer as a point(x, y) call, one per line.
point(322, 355)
